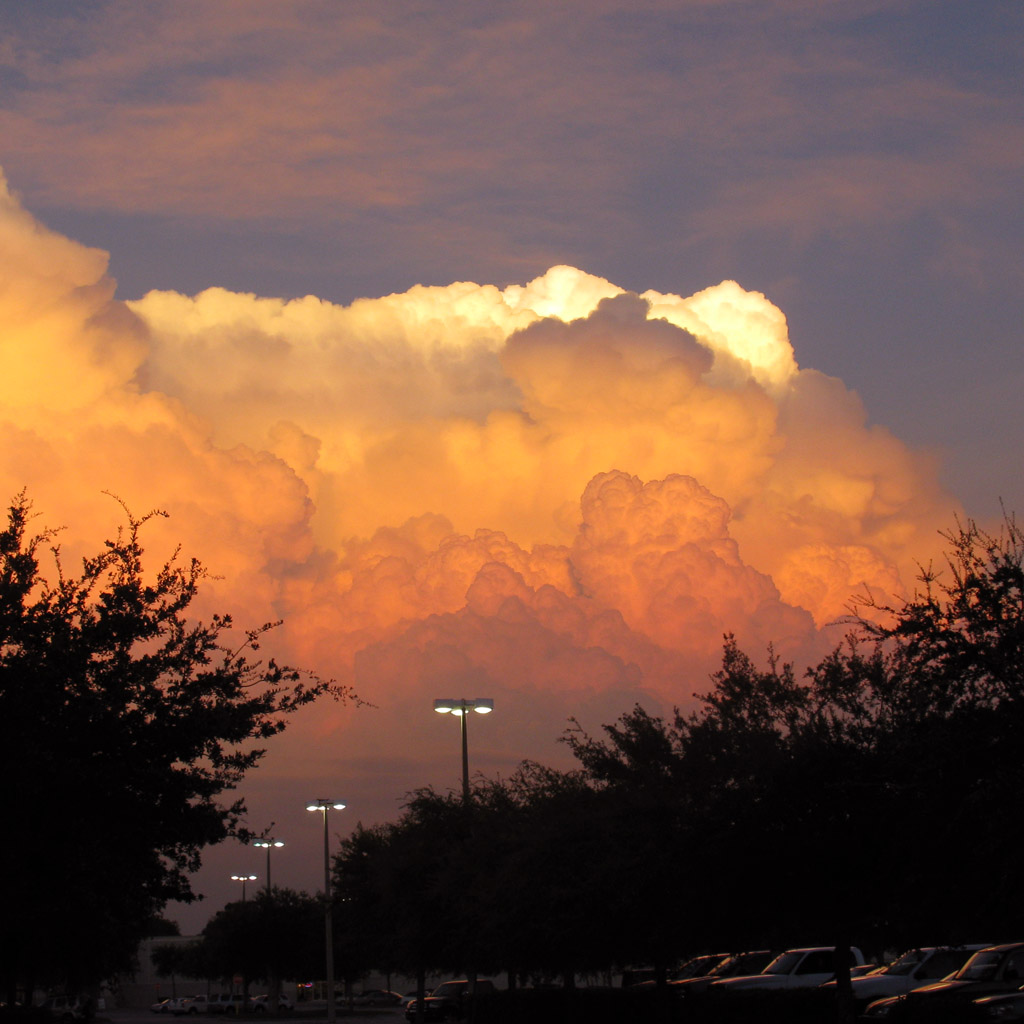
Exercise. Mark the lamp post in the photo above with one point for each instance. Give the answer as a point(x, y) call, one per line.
point(325, 807)
point(461, 708)
point(268, 842)
point(243, 879)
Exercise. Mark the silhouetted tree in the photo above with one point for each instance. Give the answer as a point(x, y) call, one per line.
point(267, 938)
point(122, 722)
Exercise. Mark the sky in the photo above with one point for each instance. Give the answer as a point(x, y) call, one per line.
point(517, 350)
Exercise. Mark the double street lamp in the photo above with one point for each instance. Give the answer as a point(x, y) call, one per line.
point(325, 807)
point(461, 708)
point(269, 843)
point(243, 879)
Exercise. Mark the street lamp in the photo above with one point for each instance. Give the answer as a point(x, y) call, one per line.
point(243, 879)
point(461, 707)
point(325, 807)
point(269, 842)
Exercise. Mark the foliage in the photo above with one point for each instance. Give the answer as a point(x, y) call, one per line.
point(399, 889)
point(272, 936)
point(869, 801)
point(122, 723)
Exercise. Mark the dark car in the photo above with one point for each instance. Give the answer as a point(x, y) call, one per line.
point(1009, 1007)
point(447, 1001)
point(377, 997)
point(697, 967)
point(732, 966)
point(996, 970)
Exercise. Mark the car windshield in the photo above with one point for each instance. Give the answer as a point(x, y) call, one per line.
point(449, 988)
point(904, 964)
point(697, 967)
point(784, 963)
point(726, 967)
point(982, 966)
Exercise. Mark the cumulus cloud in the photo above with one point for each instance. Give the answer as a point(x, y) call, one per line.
point(558, 493)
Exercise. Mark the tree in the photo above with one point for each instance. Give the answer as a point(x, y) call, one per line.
point(122, 723)
point(952, 723)
point(269, 937)
point(401, 888)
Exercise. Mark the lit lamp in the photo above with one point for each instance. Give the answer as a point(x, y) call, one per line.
point(325, 807)
point(243, 879)
point(461, 708)
point(268, 843)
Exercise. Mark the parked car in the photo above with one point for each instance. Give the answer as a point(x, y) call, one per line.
point(64, 1008)
point(377, 997)
point(913, 969)
point(161, 1005)
point(734, 966)
point(696, 967)
point(447, 1001)
point(1007, 1007)
point(796, 968)
point(226, 1002)
point(260, 1004)
point(182, 1005)
point(995, 970)
point(699, 966)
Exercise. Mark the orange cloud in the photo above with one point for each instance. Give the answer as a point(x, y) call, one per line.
point(560, 492)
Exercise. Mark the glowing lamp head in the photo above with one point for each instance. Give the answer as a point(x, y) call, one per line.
point(325, 805)
point(462, 706)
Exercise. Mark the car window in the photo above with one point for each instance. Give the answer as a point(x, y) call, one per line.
point(783, 964)
point(819, 962)
point(981, 967)
point(449, 988)
point(1015, 967)
point(943, 962)
point(906, 963)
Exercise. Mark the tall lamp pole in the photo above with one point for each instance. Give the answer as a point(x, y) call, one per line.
point(243, 879)
point(270, 843)
point(325, 807)
point(461, 707)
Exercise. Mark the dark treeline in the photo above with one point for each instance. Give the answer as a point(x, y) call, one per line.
point(124, 722)
point(870, 800)
point(274, 935)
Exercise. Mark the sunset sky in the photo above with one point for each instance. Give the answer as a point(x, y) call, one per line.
point(516, 350)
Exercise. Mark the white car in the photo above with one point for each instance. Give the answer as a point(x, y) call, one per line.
point(796, 968)
point(914, 968)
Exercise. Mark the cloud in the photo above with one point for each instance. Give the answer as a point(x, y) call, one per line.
point(558, 493)
point(726, 111)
